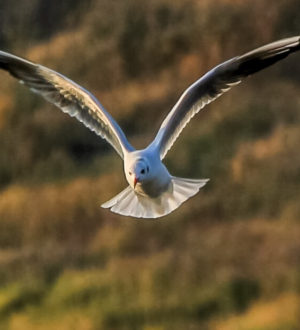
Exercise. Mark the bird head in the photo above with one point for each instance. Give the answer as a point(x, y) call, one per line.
point(138, 172)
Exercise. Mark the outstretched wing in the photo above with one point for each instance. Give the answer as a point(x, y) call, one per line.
point(69, 97)
point(216, 82)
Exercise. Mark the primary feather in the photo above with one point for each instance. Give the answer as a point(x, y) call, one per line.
point(216, 82)
point(69, 97)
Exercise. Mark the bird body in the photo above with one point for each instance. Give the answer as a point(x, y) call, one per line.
point(152, 192)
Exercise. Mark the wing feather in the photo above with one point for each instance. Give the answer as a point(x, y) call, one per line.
point(69, 97)
point(215, 83)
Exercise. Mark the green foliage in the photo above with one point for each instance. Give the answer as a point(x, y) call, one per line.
point(239, 293)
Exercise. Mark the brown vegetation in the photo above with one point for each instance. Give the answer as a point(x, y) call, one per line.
point(227, 259)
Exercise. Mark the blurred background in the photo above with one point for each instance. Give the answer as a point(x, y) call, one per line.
point(227, 259)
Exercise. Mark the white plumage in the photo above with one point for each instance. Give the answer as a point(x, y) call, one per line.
point(152, 192)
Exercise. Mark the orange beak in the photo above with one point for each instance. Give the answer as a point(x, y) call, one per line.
point(136, 180)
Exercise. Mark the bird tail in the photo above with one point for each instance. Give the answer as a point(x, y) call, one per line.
point(129, 203)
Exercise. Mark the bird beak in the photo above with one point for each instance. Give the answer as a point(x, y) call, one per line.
point(136, 180)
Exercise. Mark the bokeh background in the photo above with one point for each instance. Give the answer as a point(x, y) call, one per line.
point(227, 259)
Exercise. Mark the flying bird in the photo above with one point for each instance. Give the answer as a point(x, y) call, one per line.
point(152, 192)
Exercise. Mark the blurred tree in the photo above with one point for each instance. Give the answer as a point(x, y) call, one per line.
point(64, 262)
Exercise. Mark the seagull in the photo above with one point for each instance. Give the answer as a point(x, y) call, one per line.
point(152, 192)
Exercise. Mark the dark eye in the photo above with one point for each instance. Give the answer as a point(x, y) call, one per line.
point(130, 173)
point(142, 171)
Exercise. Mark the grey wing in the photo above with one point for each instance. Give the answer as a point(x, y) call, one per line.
point(69, 97)
point(215, 83)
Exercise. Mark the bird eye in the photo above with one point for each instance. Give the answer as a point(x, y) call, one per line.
point(130, 173)
point(142, 171)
